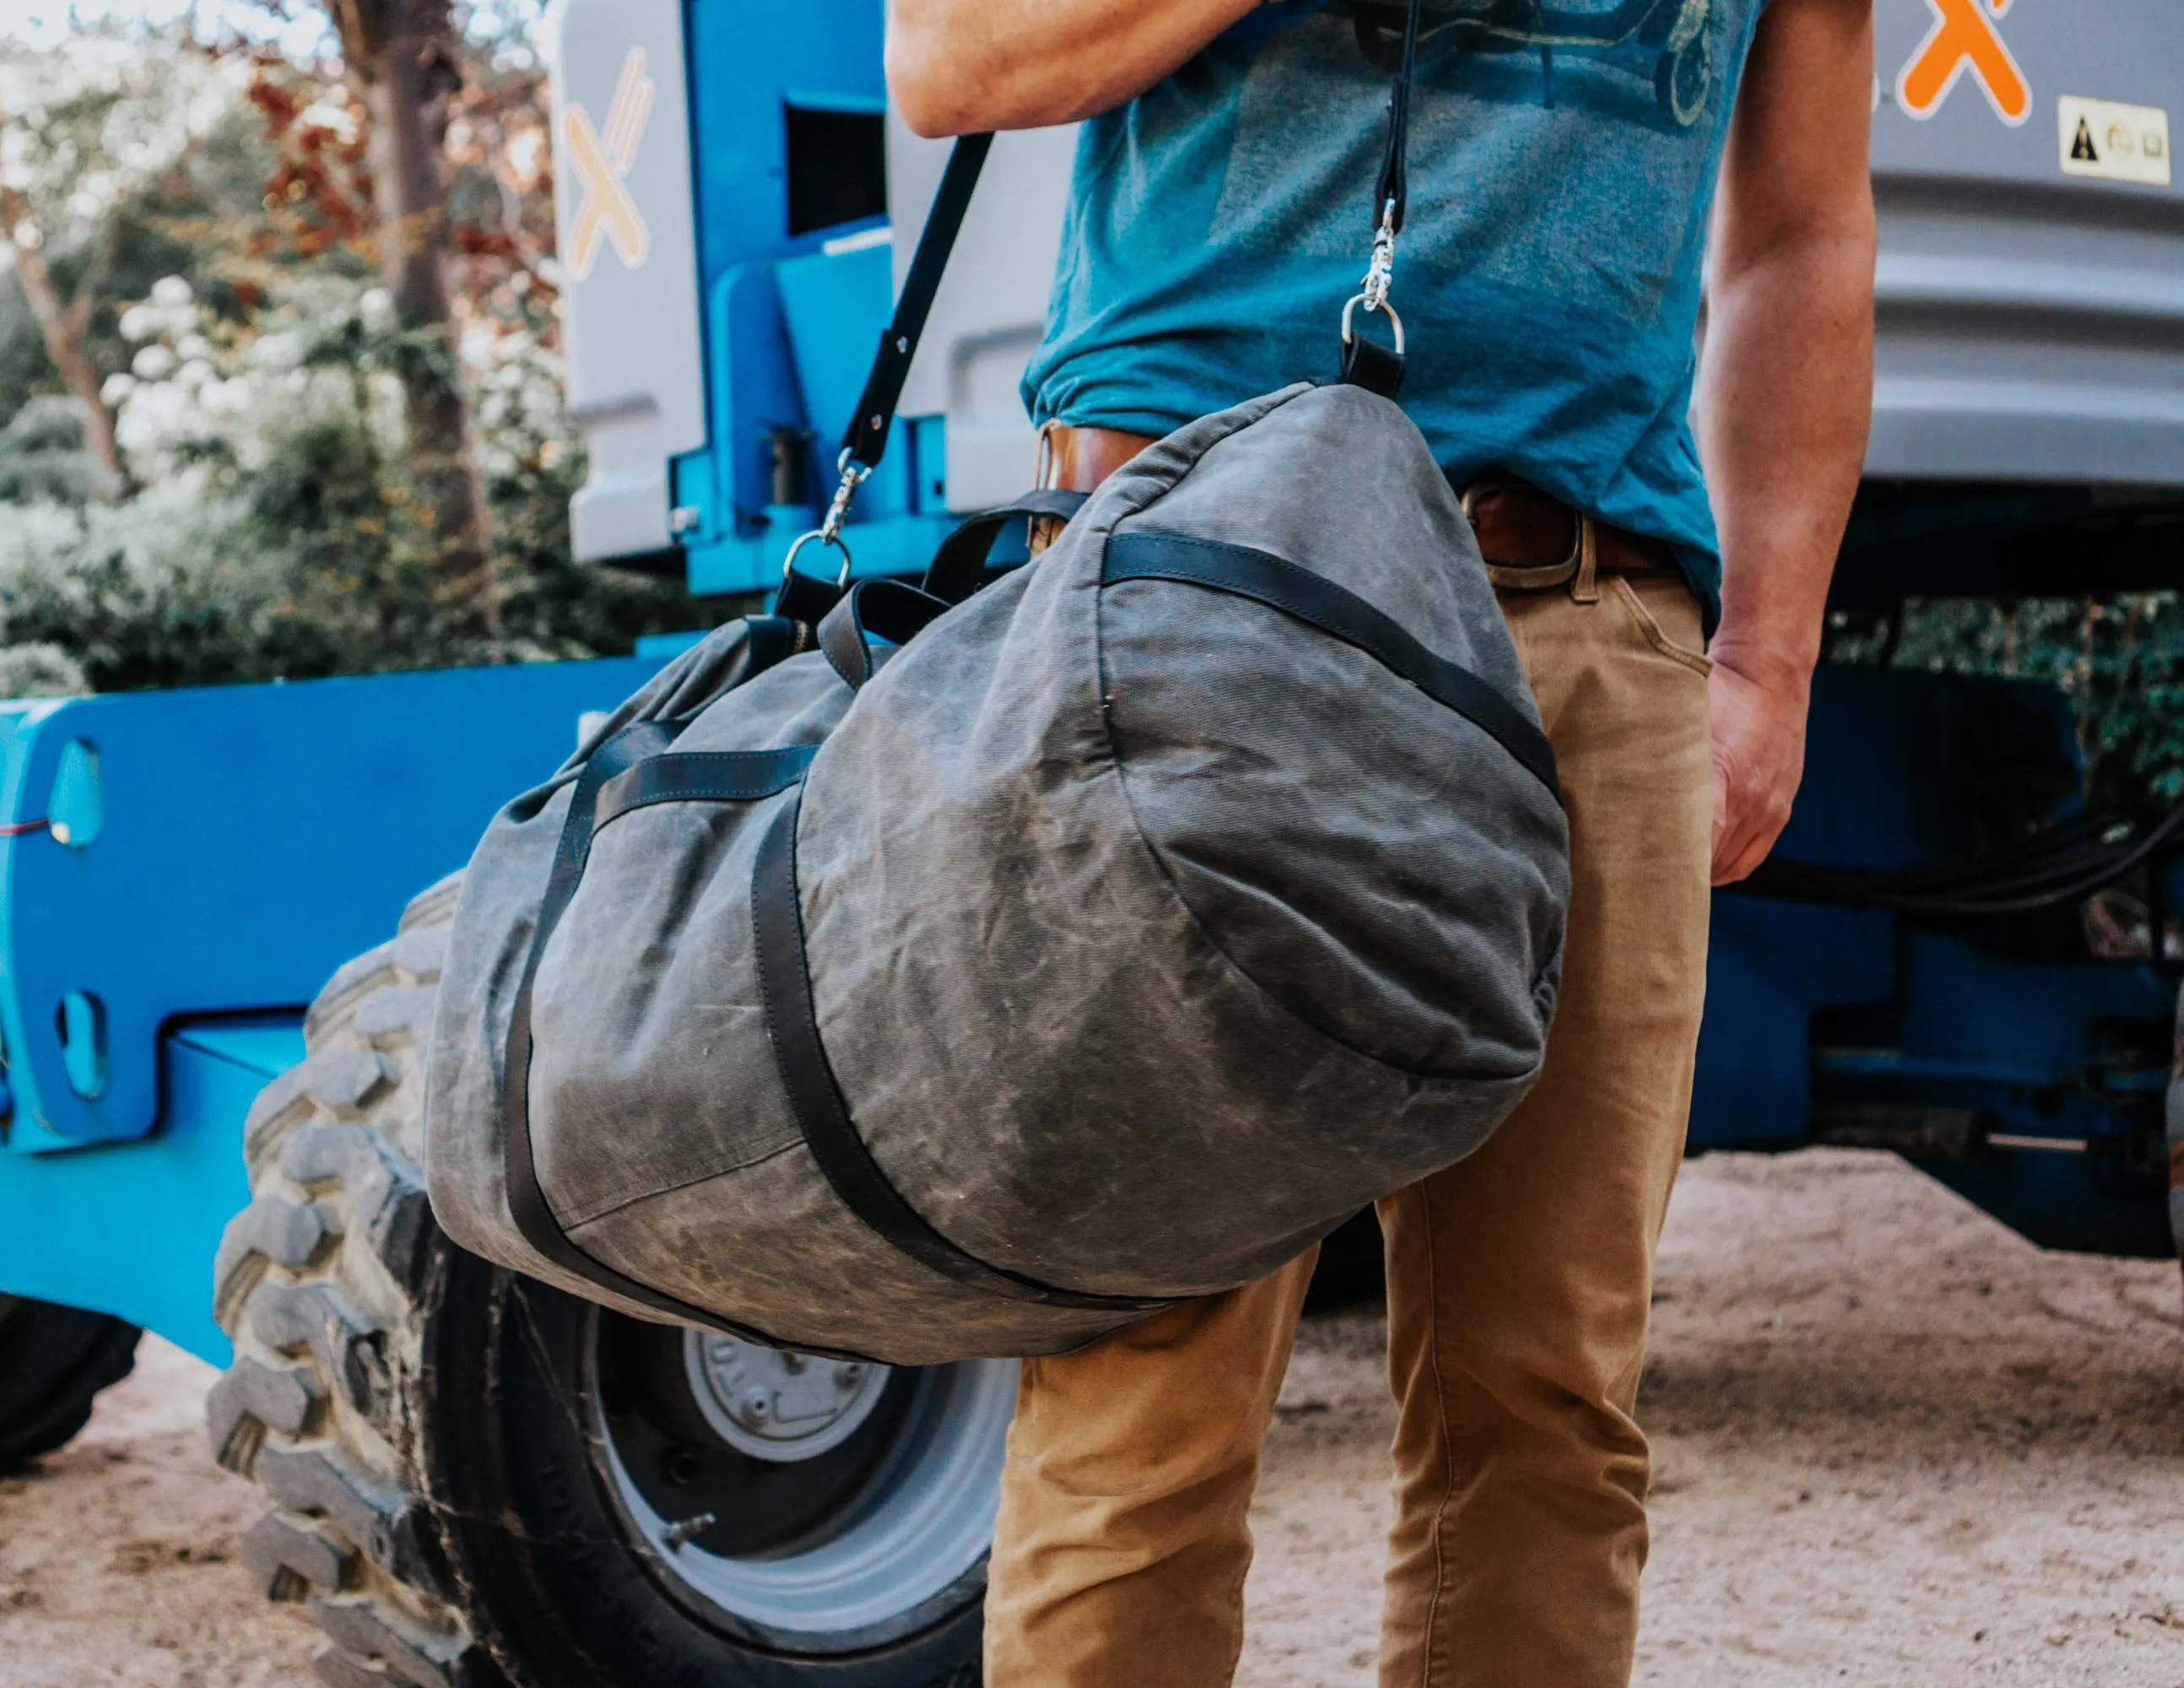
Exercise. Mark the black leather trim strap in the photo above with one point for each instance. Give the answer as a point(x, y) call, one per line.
point(867, 437)
point(526, 1197)
point(892, 609)
point(960, 564)
point(773, 638)
point(702, 776)
point(1282, 585)
point(1394, 186)
point(822, 1115)
point(804, 600)
point(1372, 366)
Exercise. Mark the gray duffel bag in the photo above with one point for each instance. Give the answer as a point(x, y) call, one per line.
point(1108, 942)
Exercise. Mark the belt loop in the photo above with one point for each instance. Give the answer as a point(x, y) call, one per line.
point(1044, 467)
point(1585, 588)
point(1041, 532)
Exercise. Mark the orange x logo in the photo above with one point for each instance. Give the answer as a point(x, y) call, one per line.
point(1965, 38)
point(601, 162)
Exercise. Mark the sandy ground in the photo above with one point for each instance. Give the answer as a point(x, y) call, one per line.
point(1896, 1445)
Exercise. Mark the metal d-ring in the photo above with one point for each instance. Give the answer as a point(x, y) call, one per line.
point(1350, 310)
point(788, 563)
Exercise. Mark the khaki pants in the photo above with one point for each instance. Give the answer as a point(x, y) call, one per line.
point(1518, 1284)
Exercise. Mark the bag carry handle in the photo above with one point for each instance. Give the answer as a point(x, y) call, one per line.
point(960, 564)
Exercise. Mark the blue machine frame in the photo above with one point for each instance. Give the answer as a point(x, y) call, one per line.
point(185, 869)
point(790, 319)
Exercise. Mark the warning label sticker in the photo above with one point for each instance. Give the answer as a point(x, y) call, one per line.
point(2116, 142)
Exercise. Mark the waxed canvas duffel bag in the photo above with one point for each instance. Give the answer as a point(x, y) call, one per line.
point(1117, 934)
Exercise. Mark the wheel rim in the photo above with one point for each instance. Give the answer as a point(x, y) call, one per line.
point(812, 1507)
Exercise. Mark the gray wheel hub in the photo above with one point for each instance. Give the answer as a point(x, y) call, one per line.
point(777, 1405)
point(816, 1506)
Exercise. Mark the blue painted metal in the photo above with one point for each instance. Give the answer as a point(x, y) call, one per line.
point(790, 320)
point(1815, 1008)
point(130, 1229)
point(252, 838)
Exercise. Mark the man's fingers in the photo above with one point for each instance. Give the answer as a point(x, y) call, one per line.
point(1748, 838)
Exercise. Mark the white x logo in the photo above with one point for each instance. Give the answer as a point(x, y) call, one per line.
point(602, 162)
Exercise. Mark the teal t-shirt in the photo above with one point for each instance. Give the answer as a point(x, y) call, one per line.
point(1562, 162)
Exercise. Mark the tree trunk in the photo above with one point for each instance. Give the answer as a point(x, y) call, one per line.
point(403, 59)
point(63, 327)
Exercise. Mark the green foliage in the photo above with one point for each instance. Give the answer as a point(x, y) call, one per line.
point(43, 458)
point(2119, 661)
point(278, 533)
point(267, 523)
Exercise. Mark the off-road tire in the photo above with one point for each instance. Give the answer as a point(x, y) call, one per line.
point(54, 1361)
point(412, 1412)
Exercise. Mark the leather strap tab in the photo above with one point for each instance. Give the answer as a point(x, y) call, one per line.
point(805, 599)
point(1372, 366)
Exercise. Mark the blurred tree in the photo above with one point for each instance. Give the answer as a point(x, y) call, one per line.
point(79, 133)
point(403, 59)
point(273, 517)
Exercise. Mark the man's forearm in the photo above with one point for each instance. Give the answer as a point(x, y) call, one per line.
point(1786, 394)
point(1785, 402)
point(959, 66)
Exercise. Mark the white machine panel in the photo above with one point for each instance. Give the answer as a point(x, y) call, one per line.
point(629, 302)
point(992, 308)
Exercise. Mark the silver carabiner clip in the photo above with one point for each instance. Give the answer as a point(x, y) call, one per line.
point(788, 563)
point(854, 475)
point(1379, 277)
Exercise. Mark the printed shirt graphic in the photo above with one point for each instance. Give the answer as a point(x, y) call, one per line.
point(1562, 168)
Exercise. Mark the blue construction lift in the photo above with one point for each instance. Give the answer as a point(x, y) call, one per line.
point(473, 1480)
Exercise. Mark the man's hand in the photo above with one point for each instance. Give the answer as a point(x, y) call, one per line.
point(1758, 758)
point(1786, 394)
point(957, 67)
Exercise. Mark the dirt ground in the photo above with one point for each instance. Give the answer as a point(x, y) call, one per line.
point(1896, 1445)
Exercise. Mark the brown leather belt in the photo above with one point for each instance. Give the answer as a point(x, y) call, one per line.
point(1528, 537)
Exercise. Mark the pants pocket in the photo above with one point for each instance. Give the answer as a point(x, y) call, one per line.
point(1675, 597)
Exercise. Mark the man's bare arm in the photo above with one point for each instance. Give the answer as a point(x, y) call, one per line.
point(1785, 393)
point(957, 67)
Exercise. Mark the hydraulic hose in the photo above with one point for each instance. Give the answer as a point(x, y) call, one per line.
point(2062, 865)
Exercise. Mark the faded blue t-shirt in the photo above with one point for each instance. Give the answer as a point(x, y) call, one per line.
point(1549, 273)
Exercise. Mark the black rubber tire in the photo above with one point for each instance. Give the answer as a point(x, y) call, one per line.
point(54, 1361)
point(417, 1416)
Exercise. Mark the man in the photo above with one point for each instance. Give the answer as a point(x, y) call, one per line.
point(1563, 203)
